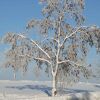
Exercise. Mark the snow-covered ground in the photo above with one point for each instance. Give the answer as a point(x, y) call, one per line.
point(41, 90)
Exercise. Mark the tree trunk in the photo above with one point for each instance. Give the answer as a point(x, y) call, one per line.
point(54, 90)
point(14, 76)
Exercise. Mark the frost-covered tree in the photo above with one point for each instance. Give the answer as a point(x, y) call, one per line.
point(64, 47)
point(12, 54)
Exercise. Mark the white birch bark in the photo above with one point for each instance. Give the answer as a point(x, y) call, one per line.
point(54, 73)
point(54, 85)
point(14, 76)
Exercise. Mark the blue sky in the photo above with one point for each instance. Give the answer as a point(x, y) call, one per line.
point(14, 15)
point(92, 14)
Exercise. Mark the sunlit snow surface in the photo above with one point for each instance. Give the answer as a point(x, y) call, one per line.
point(17, 89)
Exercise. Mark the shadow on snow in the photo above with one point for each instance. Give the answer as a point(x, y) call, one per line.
point(42, 88)
point(47, 89)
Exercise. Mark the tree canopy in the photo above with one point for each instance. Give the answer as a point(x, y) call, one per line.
point(64, 46)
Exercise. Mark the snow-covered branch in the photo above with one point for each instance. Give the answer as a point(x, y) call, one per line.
point(68, 36)
point(42, 59)
point(40, 48)
point(71, 62)
point(50, 39)
point(36, 45)
point(63, 61)
point(36, 58)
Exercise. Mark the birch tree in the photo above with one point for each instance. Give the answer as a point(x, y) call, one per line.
point(65, 45)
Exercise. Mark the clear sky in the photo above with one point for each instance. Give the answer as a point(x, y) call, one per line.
point(14, 15)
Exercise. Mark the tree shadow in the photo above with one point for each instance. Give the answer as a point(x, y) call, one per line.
point(83, 96)
point(42, 88)
point(86, 96)
point(68, 91)
point(98, 86)
point(76, 94)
